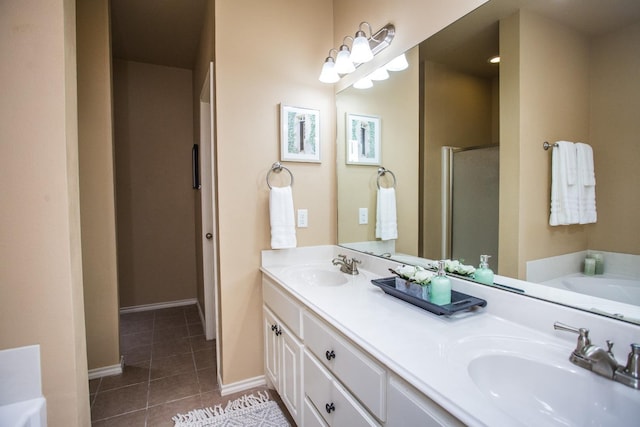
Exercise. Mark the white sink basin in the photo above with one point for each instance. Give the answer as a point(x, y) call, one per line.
point(315, 276)
point(540, 393)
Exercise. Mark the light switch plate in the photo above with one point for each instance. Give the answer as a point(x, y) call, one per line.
point(303, 218)
point(363, 216)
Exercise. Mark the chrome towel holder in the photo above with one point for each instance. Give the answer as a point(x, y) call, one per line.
point(546, 145)
point(277, 168)
point(381, 172)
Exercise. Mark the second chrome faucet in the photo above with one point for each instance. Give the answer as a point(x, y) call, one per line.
point(601, 361)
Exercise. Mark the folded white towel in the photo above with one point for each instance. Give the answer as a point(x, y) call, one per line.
point(586, 184)
point(386, 217)
point(283, 228)
point(565, 207)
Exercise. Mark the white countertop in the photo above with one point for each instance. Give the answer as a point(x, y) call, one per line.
point(432, 352)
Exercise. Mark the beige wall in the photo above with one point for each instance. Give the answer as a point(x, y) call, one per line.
point(267, 53)
point(562, 85)
point(615, 126)
point(155, 202)
point(41, 271)
point(97, 197)
point(458, 112)
point(399, 153)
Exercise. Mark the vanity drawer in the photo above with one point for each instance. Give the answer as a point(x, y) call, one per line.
point(334, 403)
point(358, 372)
point(287, 310)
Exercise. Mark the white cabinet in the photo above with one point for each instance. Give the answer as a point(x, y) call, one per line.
point(409, 407)
point(325, 379)
point(283, 349)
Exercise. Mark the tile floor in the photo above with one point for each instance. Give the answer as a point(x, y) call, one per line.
point(169, 368)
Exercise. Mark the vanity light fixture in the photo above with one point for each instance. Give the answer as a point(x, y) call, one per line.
point(494, 60)
point(363, 49)
point(379, 74)
point(398, 63)
point(328, 73)
point(363, 83)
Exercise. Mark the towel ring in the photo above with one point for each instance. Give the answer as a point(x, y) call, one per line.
point(277, 168)
point(381, 172)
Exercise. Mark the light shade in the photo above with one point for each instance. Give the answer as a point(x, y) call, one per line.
point(379, 74)
point(399, 63)
point(328, 73)
point(363, 83)
point(360, 50)
point(494, 60)
point(344, 65)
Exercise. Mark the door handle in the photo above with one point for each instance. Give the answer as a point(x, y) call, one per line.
point(209, 236)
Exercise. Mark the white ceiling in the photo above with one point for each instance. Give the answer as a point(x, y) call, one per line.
point(162, 32)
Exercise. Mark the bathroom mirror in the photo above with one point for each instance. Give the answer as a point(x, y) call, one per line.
point(568, 72)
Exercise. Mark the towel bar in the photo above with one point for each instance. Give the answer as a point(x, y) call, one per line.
point(381, 172)
point(277, 168)
point(546, 145)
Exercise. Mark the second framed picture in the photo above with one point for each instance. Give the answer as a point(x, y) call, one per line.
point(363, 140)
point(299, 134)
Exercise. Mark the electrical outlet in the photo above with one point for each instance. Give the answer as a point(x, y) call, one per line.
point(363, 216)
point(303, 218)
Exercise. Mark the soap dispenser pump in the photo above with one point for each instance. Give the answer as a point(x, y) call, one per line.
point(484, 274)
point(440, 293)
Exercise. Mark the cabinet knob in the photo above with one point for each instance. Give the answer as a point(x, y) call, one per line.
point(274, 327)
point(329, 407)
point(330, 355)
point(278, 332)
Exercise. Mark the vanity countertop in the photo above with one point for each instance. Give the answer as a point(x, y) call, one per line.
point(434, 353)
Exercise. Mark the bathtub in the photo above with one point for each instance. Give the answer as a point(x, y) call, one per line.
point(21, 401)
point(612, 287)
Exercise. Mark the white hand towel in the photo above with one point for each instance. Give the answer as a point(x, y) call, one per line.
point(564, 189)
point(386, 217)
point(283, 228)
point(586, 184)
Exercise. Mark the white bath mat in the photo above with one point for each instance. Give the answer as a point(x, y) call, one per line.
point(246, 411)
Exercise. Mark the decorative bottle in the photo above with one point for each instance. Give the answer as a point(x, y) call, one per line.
point(440, 292)
point(484, 274)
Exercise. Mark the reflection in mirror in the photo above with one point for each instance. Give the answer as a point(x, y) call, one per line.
point(567, 72)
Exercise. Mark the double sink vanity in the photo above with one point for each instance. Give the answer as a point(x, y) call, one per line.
point(341, 352)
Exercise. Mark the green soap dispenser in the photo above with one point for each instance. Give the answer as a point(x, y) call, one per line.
point(440, 292)
point(484, 274)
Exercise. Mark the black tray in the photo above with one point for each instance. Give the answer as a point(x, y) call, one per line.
point(412, 293)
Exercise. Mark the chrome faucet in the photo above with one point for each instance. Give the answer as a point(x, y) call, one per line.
point(601, 361)
point(349, 266)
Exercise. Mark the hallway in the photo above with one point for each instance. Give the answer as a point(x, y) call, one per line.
point(169, 368)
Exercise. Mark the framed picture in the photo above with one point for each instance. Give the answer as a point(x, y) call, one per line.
point(299, 134)
point(363, 140)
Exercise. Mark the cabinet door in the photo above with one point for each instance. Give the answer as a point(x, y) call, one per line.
point(409, 407)
point(291, 373)
point(271, 342)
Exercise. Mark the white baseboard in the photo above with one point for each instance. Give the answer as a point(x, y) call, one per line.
point(156, 306)
point(241, 385)
point(105, 371)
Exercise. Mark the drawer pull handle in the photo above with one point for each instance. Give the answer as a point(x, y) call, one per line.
point(330, 355)
point(329, 407)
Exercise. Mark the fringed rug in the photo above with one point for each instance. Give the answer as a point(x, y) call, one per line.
point(247, 411)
